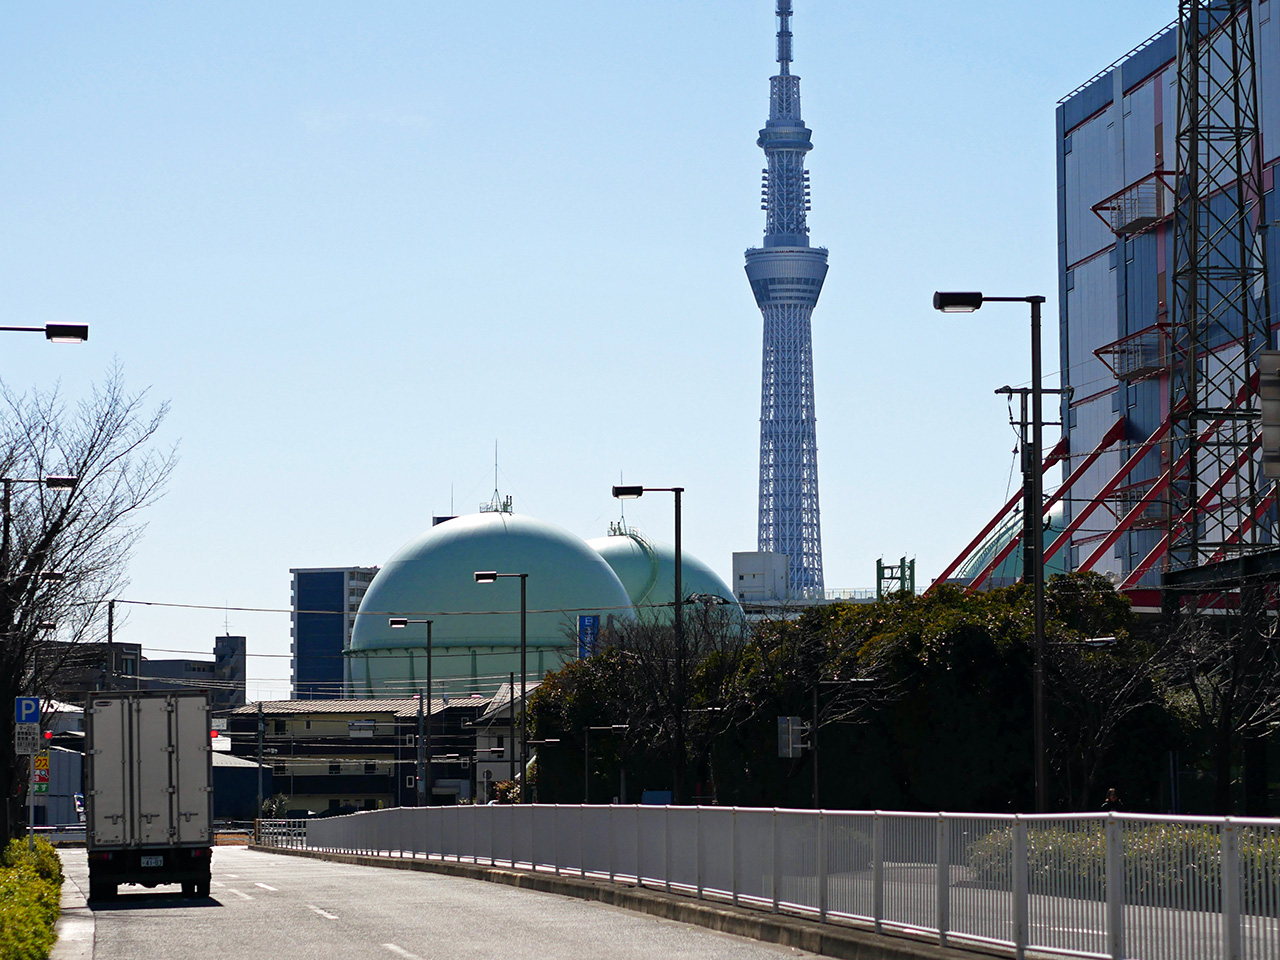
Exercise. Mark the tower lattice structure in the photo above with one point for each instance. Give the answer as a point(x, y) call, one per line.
point(1221, 504)
point(786, 277)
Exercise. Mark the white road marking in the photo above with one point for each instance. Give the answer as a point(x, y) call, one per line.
point(324, 913)
point(217, 883)
point(267, 886)
point(401, 952)
point(233, 876)
point(242, 896)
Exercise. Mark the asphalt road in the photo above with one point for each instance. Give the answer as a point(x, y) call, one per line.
point(263, 905)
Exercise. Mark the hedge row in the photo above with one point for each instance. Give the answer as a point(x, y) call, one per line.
point(30, 891)
point(1167, 864)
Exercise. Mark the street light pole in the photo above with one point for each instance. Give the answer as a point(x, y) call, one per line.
point(634, 493)
point(53, 483)
point(424, 786)
point(524, 693)
point(1032, 521)
point(490, 576)
point(57, 332)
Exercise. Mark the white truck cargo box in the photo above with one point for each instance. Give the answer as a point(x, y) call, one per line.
point(149, 793)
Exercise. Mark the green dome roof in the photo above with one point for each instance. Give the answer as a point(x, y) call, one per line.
point(647, 569)
point(476, 626)
point(1010, 568)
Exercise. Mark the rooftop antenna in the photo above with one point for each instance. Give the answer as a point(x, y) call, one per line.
point(619, 529)
point(499, 503)
point(226, 618)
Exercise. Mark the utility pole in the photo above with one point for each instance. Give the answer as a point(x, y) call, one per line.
point(261, 728)
point(511, 744)
point(813, 746)
point(421, 786)
point(111, 643)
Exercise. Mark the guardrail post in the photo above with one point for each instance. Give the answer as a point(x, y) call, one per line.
point(776, 861)
point(1229, 838)
point(555, 838)
point(877, 870)
point(1020, 904)
point(1114, 871)
point(943, 843)
point(639, 845)
point(822, 867)
point(733, 854)
point(697, 830)
point(666, 848)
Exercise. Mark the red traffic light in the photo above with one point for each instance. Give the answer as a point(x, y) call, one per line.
point(213, 733)
point(48, 734)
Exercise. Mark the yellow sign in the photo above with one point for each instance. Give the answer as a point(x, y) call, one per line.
point(42, 761)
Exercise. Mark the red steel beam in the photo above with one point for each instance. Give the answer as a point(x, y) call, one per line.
point(1162, 546)
point(1059, 452)
point(1113, 434)
point(1108, 488)
point(1161, 482)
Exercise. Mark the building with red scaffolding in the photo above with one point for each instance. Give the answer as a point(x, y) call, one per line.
point(1159, 453)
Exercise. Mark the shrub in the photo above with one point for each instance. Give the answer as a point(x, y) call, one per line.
point(1167, 864)
point(30, 889)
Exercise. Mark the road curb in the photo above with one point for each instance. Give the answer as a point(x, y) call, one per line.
point(829, 940)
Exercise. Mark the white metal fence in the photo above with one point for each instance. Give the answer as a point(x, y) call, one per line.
point(1086, 885)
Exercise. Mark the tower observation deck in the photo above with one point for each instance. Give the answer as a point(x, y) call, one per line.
point(786, 277)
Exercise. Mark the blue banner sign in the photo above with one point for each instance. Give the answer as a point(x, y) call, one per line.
point(588, 635)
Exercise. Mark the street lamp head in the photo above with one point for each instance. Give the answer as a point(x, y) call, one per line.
point(957, 302)
point(397, 623)
point(66, 332)
point(61, 483)
point(486, 576)
point(628, 493)
point(52, 576)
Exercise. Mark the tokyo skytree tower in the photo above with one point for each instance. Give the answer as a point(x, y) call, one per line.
point(786, 277)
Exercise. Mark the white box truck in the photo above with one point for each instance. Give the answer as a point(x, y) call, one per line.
point(148, 790)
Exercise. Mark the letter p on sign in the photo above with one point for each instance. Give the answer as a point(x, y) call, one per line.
point(26, 709)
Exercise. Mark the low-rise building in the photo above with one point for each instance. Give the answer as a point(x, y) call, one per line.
point(338, 755)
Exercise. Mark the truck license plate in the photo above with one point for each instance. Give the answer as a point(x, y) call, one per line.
point(153, 861)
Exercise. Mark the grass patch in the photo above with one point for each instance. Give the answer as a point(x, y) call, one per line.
point(30, 891)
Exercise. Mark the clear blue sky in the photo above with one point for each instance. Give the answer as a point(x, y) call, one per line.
point(355, 244)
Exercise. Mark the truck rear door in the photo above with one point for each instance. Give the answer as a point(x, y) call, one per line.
point(110, 771)
point(192, 770)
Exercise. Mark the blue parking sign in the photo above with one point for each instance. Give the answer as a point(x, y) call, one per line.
point(26, 709)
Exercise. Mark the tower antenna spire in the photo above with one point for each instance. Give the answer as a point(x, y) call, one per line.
point(784, 36)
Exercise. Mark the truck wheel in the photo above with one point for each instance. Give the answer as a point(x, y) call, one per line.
point(202, 887)
point(188, 888)
point(101, 891)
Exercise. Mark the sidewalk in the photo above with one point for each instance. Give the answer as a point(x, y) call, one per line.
point(75, 927)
